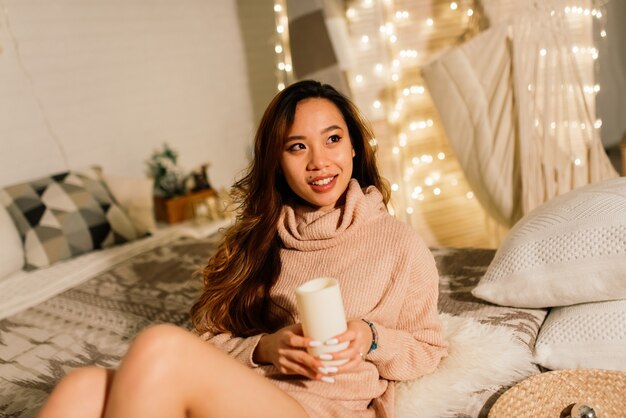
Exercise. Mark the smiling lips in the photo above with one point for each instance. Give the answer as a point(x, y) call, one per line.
point(323, 184)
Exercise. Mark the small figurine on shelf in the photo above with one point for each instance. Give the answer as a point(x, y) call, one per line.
point(201, 178)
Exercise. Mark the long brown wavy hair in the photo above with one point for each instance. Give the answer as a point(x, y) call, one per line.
point(239, 277)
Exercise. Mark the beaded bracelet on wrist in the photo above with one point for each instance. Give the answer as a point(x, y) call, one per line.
point(374, 345)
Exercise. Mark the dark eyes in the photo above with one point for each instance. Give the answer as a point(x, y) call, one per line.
point(333, 139)
point(296, 147)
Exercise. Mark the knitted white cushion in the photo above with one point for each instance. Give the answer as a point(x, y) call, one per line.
point(570, 250)
point(589, 335)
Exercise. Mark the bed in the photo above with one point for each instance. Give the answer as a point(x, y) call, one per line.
point(93, 322)
point(552, 297)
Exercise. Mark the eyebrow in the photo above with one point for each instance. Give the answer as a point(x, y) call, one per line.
point(323, 131)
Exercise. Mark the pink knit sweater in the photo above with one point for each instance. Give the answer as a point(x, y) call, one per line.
point(386, 275)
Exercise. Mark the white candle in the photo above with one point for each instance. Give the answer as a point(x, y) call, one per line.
point(322, 315)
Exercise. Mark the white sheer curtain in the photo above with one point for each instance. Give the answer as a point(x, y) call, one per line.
point(512, 101)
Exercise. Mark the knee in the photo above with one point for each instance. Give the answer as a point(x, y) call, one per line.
point(86, 378)
point(81, 390)
point(83, 383)
point(154, 357)
point(158, 345)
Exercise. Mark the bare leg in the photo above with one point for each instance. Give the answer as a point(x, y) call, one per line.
point(169, 372)
point(81, 394)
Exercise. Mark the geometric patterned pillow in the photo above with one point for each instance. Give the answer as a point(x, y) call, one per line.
point(64, 215)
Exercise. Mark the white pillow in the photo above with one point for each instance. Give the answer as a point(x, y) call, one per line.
point(570, 250)
point(589, 335)
point(11, 245)
point(135, 195)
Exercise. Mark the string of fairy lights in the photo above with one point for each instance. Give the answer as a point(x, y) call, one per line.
point(397, 61)
point(391, 39)
point(284, 66)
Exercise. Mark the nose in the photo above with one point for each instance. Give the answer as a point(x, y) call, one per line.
point(318, 158)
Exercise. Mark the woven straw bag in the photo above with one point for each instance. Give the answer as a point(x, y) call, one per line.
point(552, 394)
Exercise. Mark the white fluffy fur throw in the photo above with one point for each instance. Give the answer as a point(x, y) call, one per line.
point(480, 357)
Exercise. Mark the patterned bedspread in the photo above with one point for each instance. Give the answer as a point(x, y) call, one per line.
point(93, 323)
point(459, 272)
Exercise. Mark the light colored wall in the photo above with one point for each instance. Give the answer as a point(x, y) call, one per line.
point(611, 74)
point(106, 82)
point(258, 29)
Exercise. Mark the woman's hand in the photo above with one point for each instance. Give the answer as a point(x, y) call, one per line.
point(359, 337)
point(286, 349)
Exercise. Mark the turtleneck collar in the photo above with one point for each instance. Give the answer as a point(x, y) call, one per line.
point(305, 228)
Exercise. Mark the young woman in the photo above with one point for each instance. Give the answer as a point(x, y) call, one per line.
point(312, 204)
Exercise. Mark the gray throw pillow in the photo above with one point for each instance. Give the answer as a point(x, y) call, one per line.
point(65, 215)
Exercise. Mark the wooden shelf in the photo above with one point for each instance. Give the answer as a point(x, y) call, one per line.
point(179, 208)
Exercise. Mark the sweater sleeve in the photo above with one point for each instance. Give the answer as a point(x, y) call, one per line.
point(414, 345)
point(239, 348)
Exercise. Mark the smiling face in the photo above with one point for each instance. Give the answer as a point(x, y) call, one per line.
point(316, 159)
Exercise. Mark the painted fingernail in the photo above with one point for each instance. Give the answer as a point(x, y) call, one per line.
point(323, 370)
point(332, 341)
point(331, 369)
point(315, 343)
point(327, 379)
point(325, 356)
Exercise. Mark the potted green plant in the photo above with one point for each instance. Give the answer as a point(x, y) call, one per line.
point(176, 192)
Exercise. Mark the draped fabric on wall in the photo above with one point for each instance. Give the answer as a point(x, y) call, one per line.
point(472, 86)
point(513, 105)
